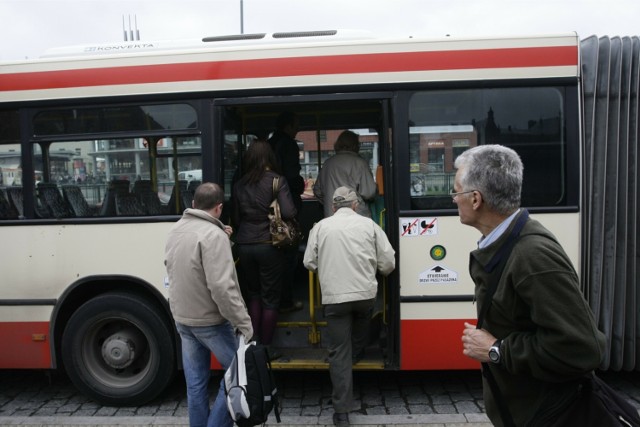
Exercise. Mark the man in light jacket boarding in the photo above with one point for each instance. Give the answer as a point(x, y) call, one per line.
point(347, 249)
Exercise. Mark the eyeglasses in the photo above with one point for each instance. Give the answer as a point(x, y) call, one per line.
point(454, 194)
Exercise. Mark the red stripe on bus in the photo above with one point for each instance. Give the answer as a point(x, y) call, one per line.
point(433, 345)
point(19, 350)
point(298, 66)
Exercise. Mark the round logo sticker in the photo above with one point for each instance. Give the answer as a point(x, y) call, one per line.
point(438, 252)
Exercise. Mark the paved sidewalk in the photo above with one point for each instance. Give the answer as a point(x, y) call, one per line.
point(432, 399)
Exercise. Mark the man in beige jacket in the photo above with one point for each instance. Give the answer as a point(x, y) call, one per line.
point(205, 300)
point(347, 249)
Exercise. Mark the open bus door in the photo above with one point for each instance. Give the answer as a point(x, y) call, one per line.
point(239, 122)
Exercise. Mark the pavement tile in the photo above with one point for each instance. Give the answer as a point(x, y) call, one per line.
point(441, 399)
point(420, 409)
point(444, 409)
point(467, 407)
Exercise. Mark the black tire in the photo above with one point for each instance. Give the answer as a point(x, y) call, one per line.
point(118, 350)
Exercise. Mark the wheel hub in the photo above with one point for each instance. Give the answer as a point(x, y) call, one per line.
point(119, 350)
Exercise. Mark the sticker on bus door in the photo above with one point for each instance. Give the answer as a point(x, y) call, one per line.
point(415, 227)
point(437, 275)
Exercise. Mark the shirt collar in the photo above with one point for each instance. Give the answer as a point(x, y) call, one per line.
point(496, 232)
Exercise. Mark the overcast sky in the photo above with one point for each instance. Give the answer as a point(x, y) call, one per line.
point(29, 27)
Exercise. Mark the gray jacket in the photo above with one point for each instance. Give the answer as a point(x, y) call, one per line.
point(203, 284)
point(345, 168)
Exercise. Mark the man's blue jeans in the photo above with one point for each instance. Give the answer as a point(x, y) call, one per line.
point(198, 342)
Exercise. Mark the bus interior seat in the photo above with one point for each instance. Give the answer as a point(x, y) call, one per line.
point(117, 186)
point(151, 203)
point(143, 189)
point(142, 186)
point(74, 197)
point(52, 203)
point(128, 205)
point(16, 198)
point(187, 199)
point(7, 210)
point(177, 205)
point(193, 184)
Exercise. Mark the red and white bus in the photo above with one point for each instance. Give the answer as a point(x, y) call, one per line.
point(94, 151)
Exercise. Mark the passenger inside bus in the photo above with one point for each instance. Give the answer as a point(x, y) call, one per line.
point(287, 153)
point(346, 168)
point(261, 265)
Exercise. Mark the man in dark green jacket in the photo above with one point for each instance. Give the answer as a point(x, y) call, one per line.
point(539, 336)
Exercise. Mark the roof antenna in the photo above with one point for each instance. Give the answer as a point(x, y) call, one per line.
point(128, 34)
point(135, 17)
point(130, 30)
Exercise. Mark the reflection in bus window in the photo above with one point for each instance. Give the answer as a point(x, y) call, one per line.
point(11, 206)
point(445, 123)
point(11, 201)
point(134, 118)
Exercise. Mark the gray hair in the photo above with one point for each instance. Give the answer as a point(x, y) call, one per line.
point(496, 172)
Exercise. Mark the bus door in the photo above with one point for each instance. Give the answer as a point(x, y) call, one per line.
point(239, 122)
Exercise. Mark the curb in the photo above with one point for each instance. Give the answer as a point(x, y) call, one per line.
point(431, 420)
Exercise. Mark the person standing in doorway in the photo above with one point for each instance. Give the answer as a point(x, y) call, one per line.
point(205, 301)
point(262, 265)
point(284, 145)
point(538, 336)
point(346, 168)
point(347, 250)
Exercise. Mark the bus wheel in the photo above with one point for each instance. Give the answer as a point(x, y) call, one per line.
point(118, 350)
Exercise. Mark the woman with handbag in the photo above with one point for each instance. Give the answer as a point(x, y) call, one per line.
point(262, 265)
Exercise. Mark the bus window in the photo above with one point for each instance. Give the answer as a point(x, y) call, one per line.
point(131, 118)
point(114, 177)
point(11, 199)
point(179, 171)
point(445, 123)
point(131, 170)
point(10, 166)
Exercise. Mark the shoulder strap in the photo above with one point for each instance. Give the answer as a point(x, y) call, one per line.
point(497, 263)
point(274, 187)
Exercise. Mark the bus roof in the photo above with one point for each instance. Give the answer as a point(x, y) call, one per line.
point(234, 40)
point(247, 64)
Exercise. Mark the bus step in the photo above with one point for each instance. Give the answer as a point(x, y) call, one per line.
point(309, 359)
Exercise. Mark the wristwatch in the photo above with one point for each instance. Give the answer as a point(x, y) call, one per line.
point(494, 352)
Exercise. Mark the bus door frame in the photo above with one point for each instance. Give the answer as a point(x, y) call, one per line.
point(388, 103)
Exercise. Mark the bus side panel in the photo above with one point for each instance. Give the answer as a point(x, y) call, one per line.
point(433, 344)
point(24, 345)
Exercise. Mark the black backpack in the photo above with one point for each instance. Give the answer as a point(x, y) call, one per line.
point(597, 404)
point(250, 386)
